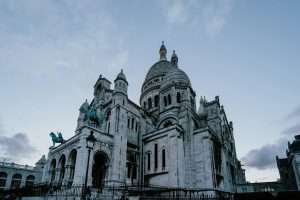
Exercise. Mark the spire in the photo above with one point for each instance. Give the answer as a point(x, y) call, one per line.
point(174, 59)
point(163, 52)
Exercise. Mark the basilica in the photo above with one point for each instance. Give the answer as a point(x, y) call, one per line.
point(165, 141)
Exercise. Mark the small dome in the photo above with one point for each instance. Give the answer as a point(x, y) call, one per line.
point(174, 55)
point(84, 107)
point(162, 47)
point(176, 76)
point(122, 76)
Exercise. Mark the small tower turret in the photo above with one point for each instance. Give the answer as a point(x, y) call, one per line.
point(201, 106)
point(121, 83)
point(174, 59)
point(40, 164)
point(100, 88)
point(163, 52)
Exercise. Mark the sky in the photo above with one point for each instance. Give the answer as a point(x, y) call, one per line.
point(247, 52)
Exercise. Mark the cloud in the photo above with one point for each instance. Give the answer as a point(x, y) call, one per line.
point(208, 15)
point(1, 127)
point(214, 16)
point(17, 147)
point(53, 37)
point(294, 114)
point(264, 157)
point(292, 130)
point(177, 12)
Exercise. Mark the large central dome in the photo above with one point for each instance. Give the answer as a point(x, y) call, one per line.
point(161, 68)
point(162, 75)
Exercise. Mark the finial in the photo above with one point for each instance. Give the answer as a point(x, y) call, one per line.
point(121, 70)
point(163, 51)
point(162, 42)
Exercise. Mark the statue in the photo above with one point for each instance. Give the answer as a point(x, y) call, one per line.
point(57, 139)
point(91, 116)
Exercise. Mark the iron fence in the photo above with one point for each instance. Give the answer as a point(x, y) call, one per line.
point(116, 192)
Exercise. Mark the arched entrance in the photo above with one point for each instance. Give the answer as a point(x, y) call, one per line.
point(100, 168)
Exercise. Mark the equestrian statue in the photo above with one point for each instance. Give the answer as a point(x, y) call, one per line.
point(57, 139)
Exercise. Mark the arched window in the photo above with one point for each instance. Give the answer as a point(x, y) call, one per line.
point(178, 97)
point(72, 163)
point(128, 169)
point(149, 103)
point(163, 156)
point(132, 123)
point(3, 177)
point(155, 156)
point(149, 160)
point(165, 101)
point(169, 99)
point(156, 101)
point(16, 181)
point(168, 123)
point(144, 104)
point(134, 168)
point(136, 127)
point(62, 162)
point(29, 181)
point(53, 170)
point(128, 123)
point(108, 127)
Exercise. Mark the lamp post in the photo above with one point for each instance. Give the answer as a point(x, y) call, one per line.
point(90, 141)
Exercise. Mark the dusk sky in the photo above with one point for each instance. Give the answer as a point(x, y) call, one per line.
point(247, 52)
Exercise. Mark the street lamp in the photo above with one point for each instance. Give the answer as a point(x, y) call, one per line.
point(90, 141)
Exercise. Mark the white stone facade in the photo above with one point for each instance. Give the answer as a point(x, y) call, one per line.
point(164, 142)
point(14, 176)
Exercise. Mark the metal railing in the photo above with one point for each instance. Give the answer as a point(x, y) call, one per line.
point(117, 190)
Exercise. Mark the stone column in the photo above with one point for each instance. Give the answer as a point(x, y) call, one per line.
point(67, 174)
point(8, 180)
point(91, 163)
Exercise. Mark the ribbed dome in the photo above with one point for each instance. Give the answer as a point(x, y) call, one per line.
point(121, 75)
point(160, 68)
point(176, 76)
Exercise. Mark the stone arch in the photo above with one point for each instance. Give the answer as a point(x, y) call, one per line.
point(156, 101)
point(52, 170)
point(62, 167)
point(3, 178)
point(161, 124)
point(107, 119)
point(29, 180)
point(149, 103)
point(169, 99)
point(131, 164)
point(148, 159)
point(155, 155)
point(16, 181)
point(71, 164)
point(178, 97)
point(165, 101)
point(100, 168)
